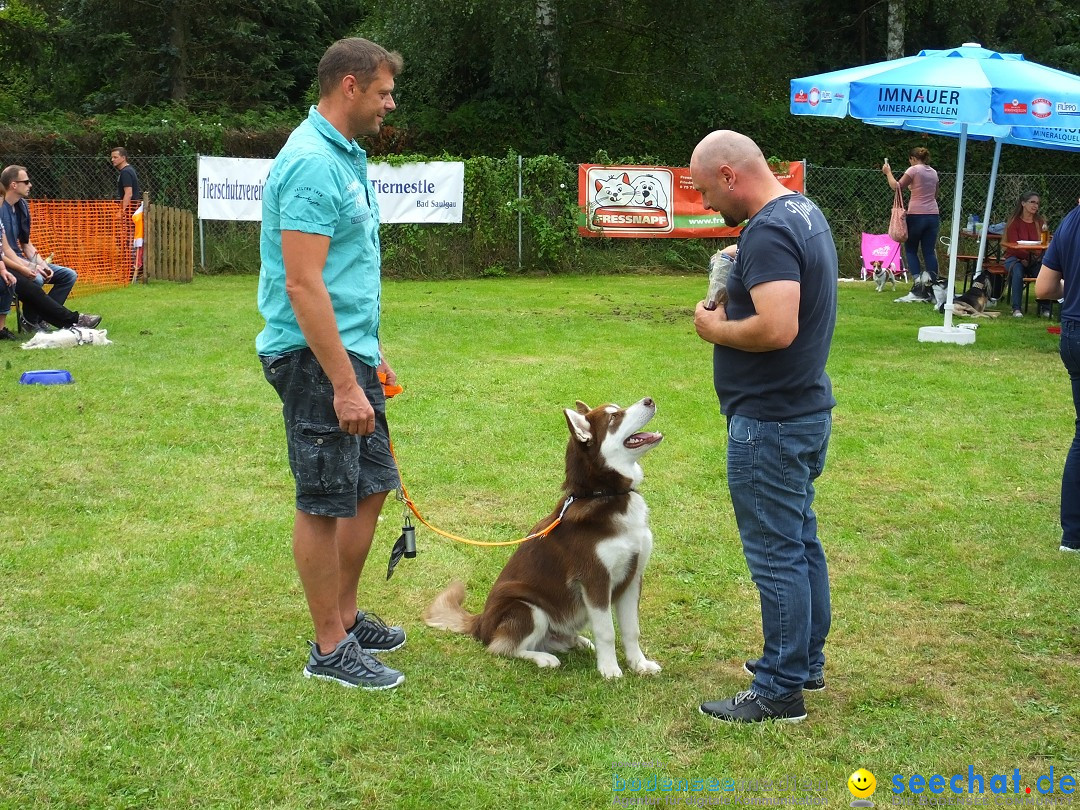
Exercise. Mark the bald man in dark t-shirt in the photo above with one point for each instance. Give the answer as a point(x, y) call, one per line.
point(771, 343)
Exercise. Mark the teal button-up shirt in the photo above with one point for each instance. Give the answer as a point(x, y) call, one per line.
point(318, 184)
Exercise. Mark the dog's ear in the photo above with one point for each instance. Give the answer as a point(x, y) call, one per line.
point(579, 426)
point(581, 406)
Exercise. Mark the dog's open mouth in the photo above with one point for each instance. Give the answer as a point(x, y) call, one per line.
point(640, 439)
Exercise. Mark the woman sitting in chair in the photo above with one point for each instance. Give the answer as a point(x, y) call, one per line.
point(1025, 225)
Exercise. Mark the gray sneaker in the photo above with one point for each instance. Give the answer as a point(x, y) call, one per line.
point(352, 667)
point(88, 321)
point(813, 685)
point(750, 707)
point(373, 634)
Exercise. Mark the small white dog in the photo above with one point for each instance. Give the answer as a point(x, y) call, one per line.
point(72, 336)
point(883, 275)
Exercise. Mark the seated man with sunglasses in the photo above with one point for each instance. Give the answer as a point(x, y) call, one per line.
point(15, 217)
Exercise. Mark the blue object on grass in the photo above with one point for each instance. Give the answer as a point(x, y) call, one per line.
point(51, 376)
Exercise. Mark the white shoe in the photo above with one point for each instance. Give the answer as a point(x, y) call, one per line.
point(1017, 313)
point(1067, 548)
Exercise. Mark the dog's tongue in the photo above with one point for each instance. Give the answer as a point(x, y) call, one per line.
point(639, 439)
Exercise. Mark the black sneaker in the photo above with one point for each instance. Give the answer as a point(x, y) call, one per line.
point(352, 667)
point(88, 321)
point(32, 328)
point(373, 634)
point(7, 334)
point(750, 707)
point(813, 685)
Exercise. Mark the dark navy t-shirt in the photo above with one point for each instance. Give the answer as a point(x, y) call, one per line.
point(16, 219)
point(787, 240)
point(1063, 255)
point(128, 177)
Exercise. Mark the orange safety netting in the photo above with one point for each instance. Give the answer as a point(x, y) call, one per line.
point(92, 237)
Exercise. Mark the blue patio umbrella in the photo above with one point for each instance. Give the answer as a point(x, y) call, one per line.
point(969, 85)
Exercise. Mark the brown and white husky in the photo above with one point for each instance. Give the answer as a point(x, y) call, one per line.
point(592, 561)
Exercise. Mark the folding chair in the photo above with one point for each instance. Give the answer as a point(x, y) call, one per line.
point(878, 247)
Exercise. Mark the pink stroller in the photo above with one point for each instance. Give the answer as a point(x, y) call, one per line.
point(878, 247)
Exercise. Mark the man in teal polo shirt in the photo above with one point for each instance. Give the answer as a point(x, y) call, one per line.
point(319, 289)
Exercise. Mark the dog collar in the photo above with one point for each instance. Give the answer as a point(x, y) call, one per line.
point(602, 494)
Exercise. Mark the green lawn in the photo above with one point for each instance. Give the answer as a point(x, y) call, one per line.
point(152, 628)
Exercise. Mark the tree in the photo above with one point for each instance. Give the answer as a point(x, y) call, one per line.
point(894, 37)
point(547, 29)
point(100, 55)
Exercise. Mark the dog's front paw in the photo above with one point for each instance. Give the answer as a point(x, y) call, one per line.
point(546, 660)
point(646, 667)
point(583, 643)
point(610, 670)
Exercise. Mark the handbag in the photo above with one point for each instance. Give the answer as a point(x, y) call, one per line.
point(898, 220)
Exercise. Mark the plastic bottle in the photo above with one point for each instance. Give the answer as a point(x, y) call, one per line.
point(1045, 235)
point(971, 223)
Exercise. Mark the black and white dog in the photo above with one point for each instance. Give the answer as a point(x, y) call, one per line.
point(921, 290)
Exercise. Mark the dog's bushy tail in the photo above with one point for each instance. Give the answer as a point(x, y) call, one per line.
point(447, 611)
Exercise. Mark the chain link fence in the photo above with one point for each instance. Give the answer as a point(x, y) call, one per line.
point(853, 200)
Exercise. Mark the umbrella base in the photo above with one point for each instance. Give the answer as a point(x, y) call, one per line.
point(947, 334)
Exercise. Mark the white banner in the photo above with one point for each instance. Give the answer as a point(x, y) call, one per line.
point(232, 189)
point(419, 192)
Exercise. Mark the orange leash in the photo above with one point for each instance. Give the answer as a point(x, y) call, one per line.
point(403, 496)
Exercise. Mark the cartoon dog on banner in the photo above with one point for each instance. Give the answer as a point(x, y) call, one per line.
point(628, 201)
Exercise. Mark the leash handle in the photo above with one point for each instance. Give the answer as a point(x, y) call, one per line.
point(389, 390)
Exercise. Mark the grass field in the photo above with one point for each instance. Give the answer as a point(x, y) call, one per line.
point(152, 628)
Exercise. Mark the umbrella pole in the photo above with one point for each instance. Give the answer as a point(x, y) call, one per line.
point(946, 333)
point(989, 205)
point(954, 234)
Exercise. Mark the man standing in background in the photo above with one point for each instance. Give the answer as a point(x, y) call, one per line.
point(127, 183)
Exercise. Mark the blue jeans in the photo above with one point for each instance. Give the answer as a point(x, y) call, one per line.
point(1018, 271)
point(63, 279)
point(922, 232)
point(771, 469)
point(1070, 477)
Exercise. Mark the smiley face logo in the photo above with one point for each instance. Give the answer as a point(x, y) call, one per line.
point(862, 784)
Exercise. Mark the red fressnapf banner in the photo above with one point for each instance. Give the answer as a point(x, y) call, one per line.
point(654, 201)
